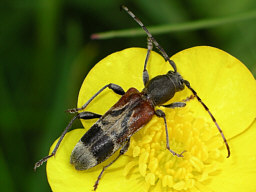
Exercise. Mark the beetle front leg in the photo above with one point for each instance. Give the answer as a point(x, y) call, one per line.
point(179, 104)
point(122, 151)
point(161, 114)
point(145, 71)
point(175, 105)
point(83, 115)
point(116, 88)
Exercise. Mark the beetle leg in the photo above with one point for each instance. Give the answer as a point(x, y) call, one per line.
point(161, 114)
point(83, 115)
point(122, 151)
point(175, 105)
point(188, 98)
point(88, 115)
point(116, 88)
point(145, 71)
point(179, 104)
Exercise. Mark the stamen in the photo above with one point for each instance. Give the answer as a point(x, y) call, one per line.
point(163, 171)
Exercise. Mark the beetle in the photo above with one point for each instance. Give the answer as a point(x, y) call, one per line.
point(134, 109)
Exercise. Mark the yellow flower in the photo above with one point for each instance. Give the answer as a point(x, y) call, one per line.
point(227, 88)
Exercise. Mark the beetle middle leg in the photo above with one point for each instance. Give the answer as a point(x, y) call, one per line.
point(161, 114)
point(116, 88)
point(83, 115)
point(122, 151)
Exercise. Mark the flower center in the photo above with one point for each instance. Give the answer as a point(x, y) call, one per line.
point(161, 170)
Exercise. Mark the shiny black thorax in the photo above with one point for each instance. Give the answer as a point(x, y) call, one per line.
point(162, 88)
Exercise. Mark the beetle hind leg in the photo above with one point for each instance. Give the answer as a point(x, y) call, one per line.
point(122, 151)
point(83, 115)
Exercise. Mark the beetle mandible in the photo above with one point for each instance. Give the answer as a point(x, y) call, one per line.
point(134, 109)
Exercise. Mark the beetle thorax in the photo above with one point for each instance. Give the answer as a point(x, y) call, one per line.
point(162, 88)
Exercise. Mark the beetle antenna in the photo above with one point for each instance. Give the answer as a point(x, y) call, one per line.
point(213, 118)
point(151, 38)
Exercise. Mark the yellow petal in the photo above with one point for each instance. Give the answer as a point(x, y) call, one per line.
point(225, 85)
point(239, 172)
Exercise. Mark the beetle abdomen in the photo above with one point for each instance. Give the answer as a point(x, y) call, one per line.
point(82, 158)
point(93, 148)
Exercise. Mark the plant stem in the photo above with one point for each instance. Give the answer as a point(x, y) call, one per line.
point(193, 25)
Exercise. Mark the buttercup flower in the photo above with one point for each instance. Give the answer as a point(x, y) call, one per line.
point(227, 88)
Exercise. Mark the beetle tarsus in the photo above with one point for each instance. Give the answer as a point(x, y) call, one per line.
point(41, 161)
point(73, 110)
point(177, 154)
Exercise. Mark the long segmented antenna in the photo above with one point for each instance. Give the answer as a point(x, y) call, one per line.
point(207, 109)
point(166, 57)
point(162, 51)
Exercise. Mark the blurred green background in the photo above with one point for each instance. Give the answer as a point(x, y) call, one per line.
point(46, 51)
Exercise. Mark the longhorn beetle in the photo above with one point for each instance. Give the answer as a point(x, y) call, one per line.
point(133, 110)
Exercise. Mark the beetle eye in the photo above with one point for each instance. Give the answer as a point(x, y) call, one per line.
point(180, 84)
